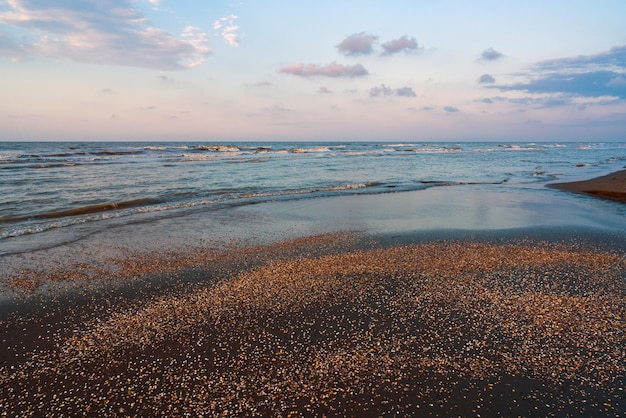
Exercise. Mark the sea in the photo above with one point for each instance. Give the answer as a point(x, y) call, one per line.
point(55, 193)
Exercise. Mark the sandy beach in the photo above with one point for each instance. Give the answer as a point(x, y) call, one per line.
point(443, 302)
point(611, 186)
point(330, 325)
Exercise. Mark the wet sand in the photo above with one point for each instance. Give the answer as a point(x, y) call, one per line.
point(331, 325)
point(612, 186)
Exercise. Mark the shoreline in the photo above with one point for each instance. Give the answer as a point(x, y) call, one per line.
point(434, 322)
point(611, 186)
point(131, 269)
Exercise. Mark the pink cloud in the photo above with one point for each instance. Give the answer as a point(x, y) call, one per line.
point(331, 70)
point(357, 44)
point(401, 44)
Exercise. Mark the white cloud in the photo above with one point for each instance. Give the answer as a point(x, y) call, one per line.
point(111, 32)
point(229, 29)
point(200, 41)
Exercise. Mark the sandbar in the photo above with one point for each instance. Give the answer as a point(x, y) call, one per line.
point(611, 186)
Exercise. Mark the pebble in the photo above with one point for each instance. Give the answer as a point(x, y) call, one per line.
point(325, 327)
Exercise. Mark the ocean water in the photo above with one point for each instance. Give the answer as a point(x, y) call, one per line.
point(58, 192)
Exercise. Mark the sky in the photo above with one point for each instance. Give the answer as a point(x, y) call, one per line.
point(423, 70)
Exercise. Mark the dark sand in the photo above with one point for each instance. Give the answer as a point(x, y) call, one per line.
point(332, 325)
point(612, 186)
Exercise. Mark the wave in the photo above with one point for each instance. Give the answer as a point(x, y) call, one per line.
point(37, 166)
point(85, 210)
point(515, 147)
point(114, 153)
point(43, 222)
point(163, 147)
point(295, 192)
point(219, 148)
point(309, 150)
point(374, 187)
point(198, 157)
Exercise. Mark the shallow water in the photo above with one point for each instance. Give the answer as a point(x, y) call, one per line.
point(58, 185)
point(455, 207)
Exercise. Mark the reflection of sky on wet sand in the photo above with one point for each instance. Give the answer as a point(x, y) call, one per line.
point(452, 208)
point(449, 208)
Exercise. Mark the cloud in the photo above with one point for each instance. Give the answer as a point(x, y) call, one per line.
point(276, 111)
point(490, 54)
point(599, 75)
point(486, 79)
point(618, 81)
point(615, 57)
point(405, 92)
point(229, 31)
point(451, 109)
point(263, 84)
point(357, 44)
point(592, 84)
point(551, 101)
point(111, 32)
point(540, 102)
point(404, 43)
point(9, 48)
point(383, 90)
point(324, 90)
point(331, 70)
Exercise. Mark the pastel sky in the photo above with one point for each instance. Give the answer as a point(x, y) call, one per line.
point(424, 70)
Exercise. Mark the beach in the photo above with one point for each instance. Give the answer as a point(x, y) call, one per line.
point(357, 320)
